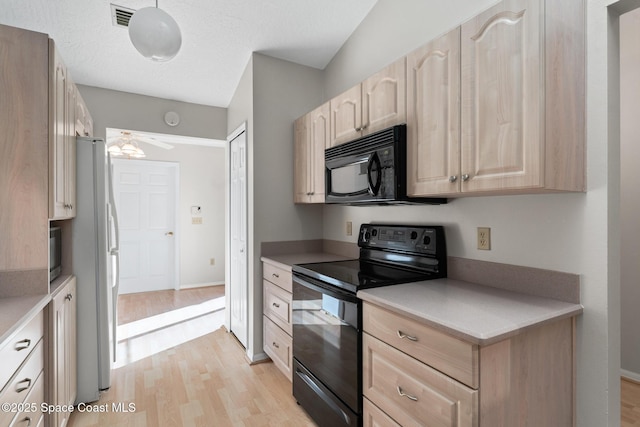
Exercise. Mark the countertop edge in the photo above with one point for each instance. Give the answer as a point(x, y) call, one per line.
point(482, 339)
point(286, 261)
point(34, 305)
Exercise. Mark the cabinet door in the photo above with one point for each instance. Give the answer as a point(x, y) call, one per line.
point(502, 95)
point(384, 98)
point(57, 153)
point(70, 150)
point(433, 117)
point(63, 376)
point(346, 116)
point(300, 160)
point(319, 140)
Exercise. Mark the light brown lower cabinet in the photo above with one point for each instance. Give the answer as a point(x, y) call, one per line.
point(524, 380)
point(62, 360)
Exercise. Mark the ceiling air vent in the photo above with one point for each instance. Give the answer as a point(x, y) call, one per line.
point(120, 16)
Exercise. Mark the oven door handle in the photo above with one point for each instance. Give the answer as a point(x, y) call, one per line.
point(374, 187)
point(324, 289)
point(322, 395)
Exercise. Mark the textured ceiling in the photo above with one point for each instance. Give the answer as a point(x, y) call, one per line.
point(218, 37)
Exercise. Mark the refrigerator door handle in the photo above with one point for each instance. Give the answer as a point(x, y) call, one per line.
point(114, 307)
point(114, 211)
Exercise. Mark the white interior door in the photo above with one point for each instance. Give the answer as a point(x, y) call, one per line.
point(238, 284)
point(146, 196)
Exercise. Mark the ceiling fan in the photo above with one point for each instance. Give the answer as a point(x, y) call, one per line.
point(127, 144)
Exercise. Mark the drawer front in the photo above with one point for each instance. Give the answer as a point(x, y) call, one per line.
point(413, 393)
point(16, 350)
point(374, 417)
point(277, 306)
point(29, 417)
point(23, 383)
point(454, 357)
point(278, 346)
point(277, 276)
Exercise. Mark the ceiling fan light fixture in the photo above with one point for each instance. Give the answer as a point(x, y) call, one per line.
point(126, 146)
point(155, 34)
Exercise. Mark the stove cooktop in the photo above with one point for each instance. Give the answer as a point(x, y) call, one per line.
point(353, 275)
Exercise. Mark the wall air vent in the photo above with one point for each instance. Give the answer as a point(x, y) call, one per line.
point(120, 16)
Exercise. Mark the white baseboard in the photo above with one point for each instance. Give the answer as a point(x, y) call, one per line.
point(630, 375)
point(201, 285)
point(257, 358)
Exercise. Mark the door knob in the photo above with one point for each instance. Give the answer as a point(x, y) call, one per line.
point(169, 233)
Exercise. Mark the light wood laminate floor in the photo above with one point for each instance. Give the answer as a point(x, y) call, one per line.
point(630, 399)
point(203, 382)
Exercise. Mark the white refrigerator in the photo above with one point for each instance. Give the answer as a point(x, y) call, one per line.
point(95, 264)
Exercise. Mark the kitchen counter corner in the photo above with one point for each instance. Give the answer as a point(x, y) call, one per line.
point(16, 311)
point(479, 314)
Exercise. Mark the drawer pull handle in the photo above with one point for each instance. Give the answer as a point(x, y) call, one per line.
point(408, 396)
point(402, 335)
point(275, 344)
point(276, 305)
point(27, 420)
point(69, 297)
point(21, 345)
point(23, 385)
point(276, 275)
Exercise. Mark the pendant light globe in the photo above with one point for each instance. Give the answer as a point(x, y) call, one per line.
point(155, 34)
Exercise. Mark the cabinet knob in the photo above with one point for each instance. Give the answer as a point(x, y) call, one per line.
point(465, 177)
point(69, 297)
point(453, 178)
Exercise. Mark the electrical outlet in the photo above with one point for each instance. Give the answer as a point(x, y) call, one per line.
point(484, 238)
point(349, 228)
point(196, 220)
point(212, 261)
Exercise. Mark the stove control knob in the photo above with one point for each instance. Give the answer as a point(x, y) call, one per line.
point(374, 232)
point(367, 236)
point(426, 240)
point(414, 235)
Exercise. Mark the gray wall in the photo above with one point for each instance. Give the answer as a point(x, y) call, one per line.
point(630, 195)
point(202, 178)
point(272, 93)
point(576, 233)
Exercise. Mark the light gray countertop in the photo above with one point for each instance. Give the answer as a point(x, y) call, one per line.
point(287, 260)
point(479, 314)
point(16, 311)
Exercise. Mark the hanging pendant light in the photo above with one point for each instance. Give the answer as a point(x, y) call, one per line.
point(155, 34)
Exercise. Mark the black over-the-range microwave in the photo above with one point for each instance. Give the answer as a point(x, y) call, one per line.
point(371, 170)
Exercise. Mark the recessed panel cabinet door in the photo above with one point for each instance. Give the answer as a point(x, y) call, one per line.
point(384, 98)
point(346, 116)
point(503, 98)
point(300, 162)
point(433, 117)
point(319, 134)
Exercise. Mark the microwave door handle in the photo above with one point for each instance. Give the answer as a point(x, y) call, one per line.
point(374, 187)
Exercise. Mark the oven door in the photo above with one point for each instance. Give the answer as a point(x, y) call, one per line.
point(326, 343)
point(354, 178)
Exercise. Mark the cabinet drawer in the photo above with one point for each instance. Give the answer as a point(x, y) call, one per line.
point(277, 306)
point(22, 384)
point(32, 415)
point(374, 417)
point(278, 346)
point(413, 393)
point(454, 357)
point(277, 275)
point(16, 350)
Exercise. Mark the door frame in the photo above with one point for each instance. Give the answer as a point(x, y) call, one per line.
point(227, 268)
point(176, 247)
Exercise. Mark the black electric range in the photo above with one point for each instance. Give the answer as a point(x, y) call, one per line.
point(327, 315)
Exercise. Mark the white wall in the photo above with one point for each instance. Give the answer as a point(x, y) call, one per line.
point(630, 195)
point(202, 177)
point(565, 232)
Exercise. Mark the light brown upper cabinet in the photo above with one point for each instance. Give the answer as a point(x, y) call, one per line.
point(522, 104)
point(310, 140)
point(84, 122)
point(377, 103)
point(433, 116)
point(62, 144)
point(523, 83)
